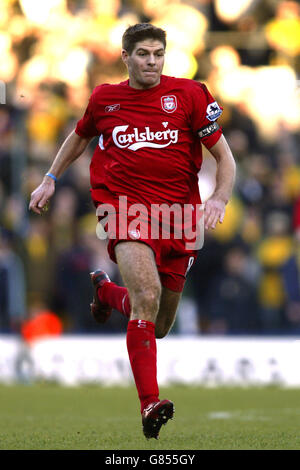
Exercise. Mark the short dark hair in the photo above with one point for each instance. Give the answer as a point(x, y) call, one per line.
point(139, 32)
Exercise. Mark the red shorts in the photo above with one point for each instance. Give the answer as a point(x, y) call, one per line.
point(172, 257)
point(172, 260)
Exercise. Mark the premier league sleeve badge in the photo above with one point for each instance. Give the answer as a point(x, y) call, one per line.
point(213, 111)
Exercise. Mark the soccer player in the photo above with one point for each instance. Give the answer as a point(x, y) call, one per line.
point(152, 127)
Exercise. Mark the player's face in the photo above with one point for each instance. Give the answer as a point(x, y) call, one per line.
point(145, 63)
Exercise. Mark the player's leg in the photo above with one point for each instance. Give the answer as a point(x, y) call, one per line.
point(111, 296)
point(173, 272)
point(108, 295)
point(138, 269)
point(166, 316)
point(136, 262)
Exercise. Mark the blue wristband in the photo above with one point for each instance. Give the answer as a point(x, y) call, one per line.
point(52, 176)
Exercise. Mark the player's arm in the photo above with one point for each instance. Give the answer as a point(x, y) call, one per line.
point(225, 177)
point(71, 149)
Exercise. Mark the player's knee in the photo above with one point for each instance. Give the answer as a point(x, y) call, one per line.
point(146, 301)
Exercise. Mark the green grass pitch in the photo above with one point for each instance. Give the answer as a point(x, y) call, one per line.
point(51, 417)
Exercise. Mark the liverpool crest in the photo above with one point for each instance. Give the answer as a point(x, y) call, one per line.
point(169, 103)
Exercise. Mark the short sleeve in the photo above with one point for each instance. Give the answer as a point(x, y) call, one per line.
point(86, 126)
point(205, 113)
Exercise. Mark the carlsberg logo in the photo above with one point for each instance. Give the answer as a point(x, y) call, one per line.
point(147, 138)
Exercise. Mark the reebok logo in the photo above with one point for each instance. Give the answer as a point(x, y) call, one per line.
point(147, 138)
point(112, 107)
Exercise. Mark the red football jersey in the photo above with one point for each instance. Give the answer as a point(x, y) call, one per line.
point(151, 150)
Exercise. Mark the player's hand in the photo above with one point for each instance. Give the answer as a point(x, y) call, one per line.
point(214, 212)
point(41, 195)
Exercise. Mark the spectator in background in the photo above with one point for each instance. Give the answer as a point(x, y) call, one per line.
point(47, 117)
point(208, 264)
point(12, 299)
point(5, 141)
point(291, 276)
point(283, 31)
point(291, 282)
point(272, 252)
point(40, 260)
point(41, 323)
point(233, 294)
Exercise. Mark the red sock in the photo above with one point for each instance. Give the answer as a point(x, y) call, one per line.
point(141, 346)
point(116, 297)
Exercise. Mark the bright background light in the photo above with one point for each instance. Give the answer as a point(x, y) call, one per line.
point(67, 43)
point(78, 43)
point(231, 10)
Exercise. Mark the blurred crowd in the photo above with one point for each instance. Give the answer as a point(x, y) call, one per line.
point(53, 53)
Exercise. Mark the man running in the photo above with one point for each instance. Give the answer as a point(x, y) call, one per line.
point(151, 129)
